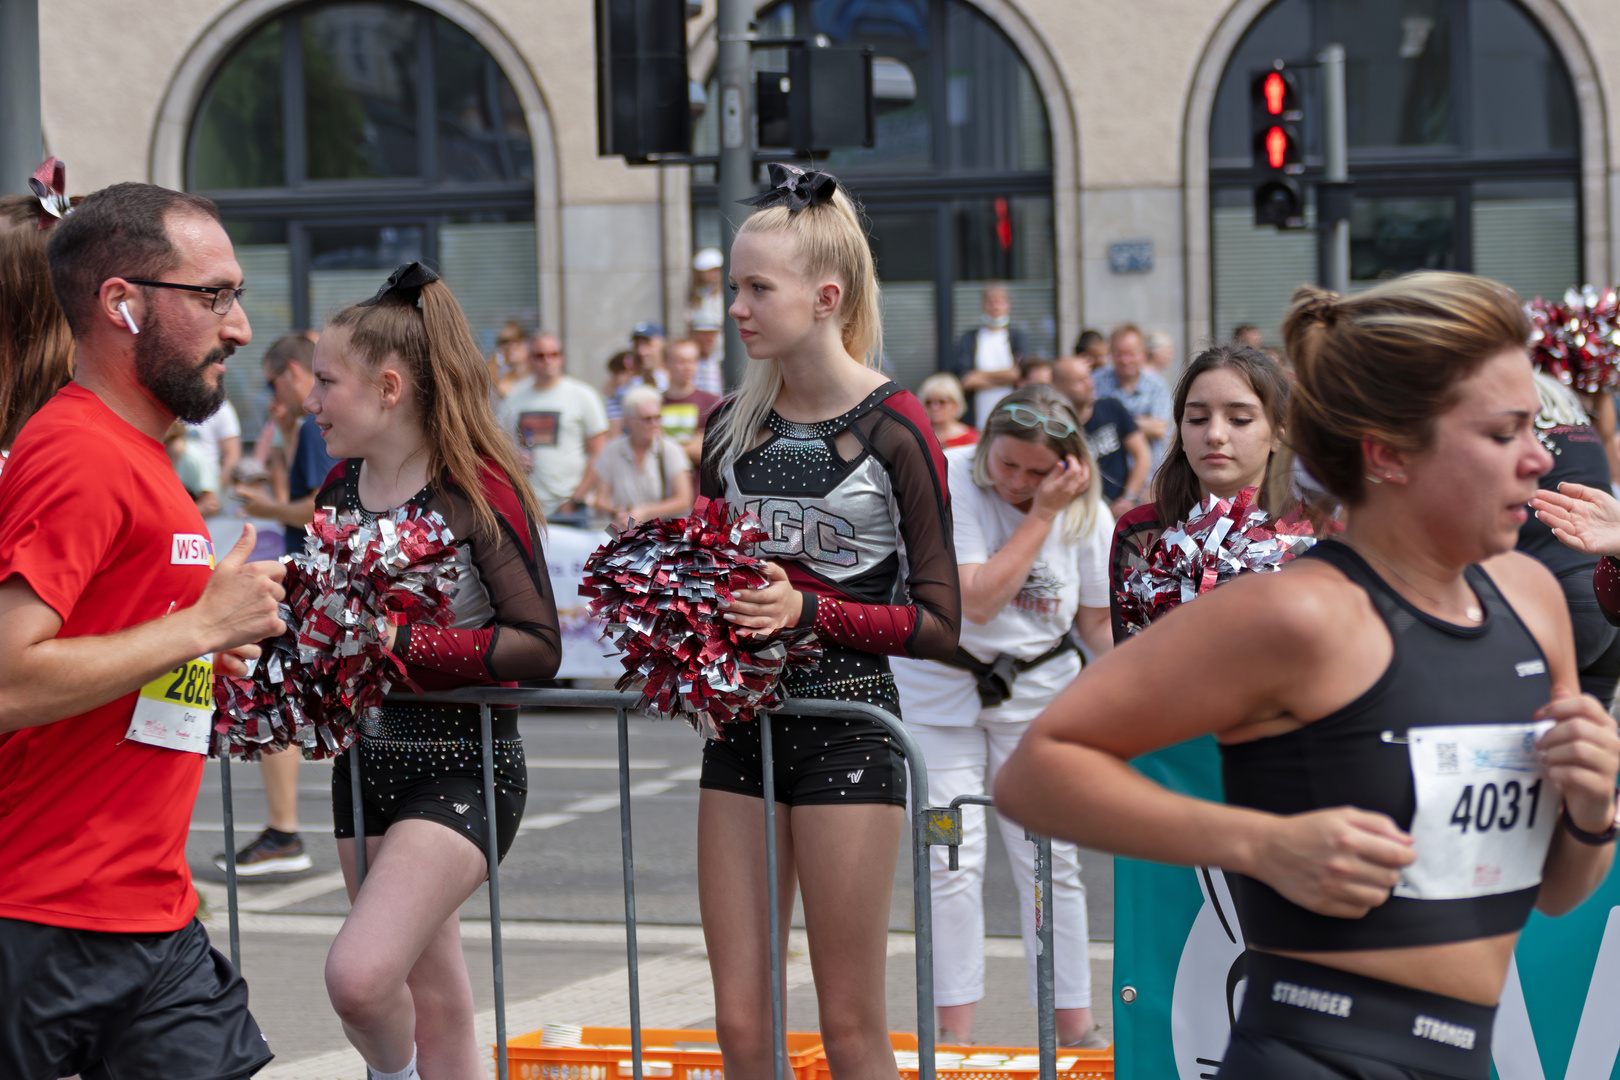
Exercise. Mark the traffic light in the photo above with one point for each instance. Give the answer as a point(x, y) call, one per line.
point(643, 97)
point(1277, 116)
point(824, 102)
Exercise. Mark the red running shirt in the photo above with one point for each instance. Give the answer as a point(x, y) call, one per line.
point(92, 826)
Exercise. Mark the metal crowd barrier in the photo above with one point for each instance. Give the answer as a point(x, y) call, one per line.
point(930, 825)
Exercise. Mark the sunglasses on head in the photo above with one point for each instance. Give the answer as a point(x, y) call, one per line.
point(1028, 417)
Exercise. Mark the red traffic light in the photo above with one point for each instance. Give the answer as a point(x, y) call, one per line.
point(1274, 90)
point(1276, 148)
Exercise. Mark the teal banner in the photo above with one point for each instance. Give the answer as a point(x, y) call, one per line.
point(1177, 941)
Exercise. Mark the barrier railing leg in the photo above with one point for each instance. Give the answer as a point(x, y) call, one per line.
point(492, 851)
point(923, 908)
point(778, 1021)
point(230, 852)
point(358, 803)
point(1045, 962)
point(629, 892)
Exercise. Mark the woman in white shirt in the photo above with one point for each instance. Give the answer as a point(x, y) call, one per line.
point(1032, 541)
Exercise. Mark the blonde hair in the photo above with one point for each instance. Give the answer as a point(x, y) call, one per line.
point(1081, 516)
point(945, 385)
point(832, 243)
point(443, 362)
point(640, 394)
point(1382, 365)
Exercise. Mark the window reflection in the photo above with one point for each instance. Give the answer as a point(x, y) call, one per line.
point(482, 134)
point(1391, 236)
point(1404, 82)
point(239, 141)
point(1523, 102)
point(360, 92)
point(1398, 69)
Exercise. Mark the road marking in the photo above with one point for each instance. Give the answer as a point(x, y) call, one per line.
point(694, 772)
point(592, 804)
point(593, 763)
point(545, 821)
point(218, 896)
point(676, 991)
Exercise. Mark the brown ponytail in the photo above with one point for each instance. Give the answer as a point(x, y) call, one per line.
point(1382, 365)
point(436, 347)
point(36, 346)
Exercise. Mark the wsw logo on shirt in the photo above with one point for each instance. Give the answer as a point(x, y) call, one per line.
point(191, 549)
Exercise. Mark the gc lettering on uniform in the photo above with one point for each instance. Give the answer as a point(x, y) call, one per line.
point(1440, 1031)
point(1308, 997)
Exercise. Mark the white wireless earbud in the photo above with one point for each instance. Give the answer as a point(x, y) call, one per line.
point(129, 320)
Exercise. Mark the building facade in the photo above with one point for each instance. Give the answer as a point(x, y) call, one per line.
point(1093, 155)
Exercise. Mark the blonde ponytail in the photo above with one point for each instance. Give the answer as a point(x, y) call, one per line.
point(831, 243)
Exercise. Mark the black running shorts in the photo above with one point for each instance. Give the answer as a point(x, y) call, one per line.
point(122, 1006)
point(1304, 1021)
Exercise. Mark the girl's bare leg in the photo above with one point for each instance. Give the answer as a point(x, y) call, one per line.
point(402, 938)
point(732, 897)
point(846, 857)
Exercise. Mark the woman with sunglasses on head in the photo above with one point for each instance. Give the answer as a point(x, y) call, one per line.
point(1230, 408)
point(841, 465)
point(402, 394)
point(1409, 767)
point(1032, 551)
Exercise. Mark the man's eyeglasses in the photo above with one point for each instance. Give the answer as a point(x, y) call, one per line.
point(546, 355)
point(223, 295)
point(1028, 417)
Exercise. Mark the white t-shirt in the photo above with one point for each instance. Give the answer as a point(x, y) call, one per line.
point(207, 436)
point(993, 352)
point(1066, 576)
point(552, 425)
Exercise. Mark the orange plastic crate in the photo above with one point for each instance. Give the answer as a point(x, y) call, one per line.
point(605, 1055)
point(1088, 1064)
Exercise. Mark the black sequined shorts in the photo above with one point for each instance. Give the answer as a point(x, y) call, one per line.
point(817, 760)
point(427, 762)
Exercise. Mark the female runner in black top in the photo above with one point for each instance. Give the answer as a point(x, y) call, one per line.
point(402, 393)
point(1392, 808)
point(842, 467)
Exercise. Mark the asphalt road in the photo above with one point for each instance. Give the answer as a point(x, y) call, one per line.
point(562, 902)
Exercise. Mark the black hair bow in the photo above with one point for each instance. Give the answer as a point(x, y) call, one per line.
point(407, 282)
point(795, 188)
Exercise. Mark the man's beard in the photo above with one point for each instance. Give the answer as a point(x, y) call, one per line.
point(178, 384)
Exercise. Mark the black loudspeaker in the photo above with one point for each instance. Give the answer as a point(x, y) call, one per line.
point(642, 99)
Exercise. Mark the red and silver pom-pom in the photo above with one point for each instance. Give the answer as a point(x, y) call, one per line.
point(662, 585)
point(356, 576)
point(1219, 540)
point(1578, 341)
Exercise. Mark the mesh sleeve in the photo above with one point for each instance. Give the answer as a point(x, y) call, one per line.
point(898, 434)
point(522, 641)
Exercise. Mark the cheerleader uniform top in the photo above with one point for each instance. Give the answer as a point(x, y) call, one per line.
point(867, 540)
point(504, 614)
point(1443, 743)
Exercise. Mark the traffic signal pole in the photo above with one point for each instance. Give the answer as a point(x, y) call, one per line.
point(22, 142)
point(736, 170)
point(1336, 165)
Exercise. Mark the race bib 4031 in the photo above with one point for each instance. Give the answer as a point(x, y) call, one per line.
point(1485, 810)
point(176, 709)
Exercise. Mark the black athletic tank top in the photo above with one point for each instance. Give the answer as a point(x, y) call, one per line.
point(1439, 674)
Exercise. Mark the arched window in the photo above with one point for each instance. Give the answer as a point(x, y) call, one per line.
point(959, 185)
point(341, 139)
point(1464, 151)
